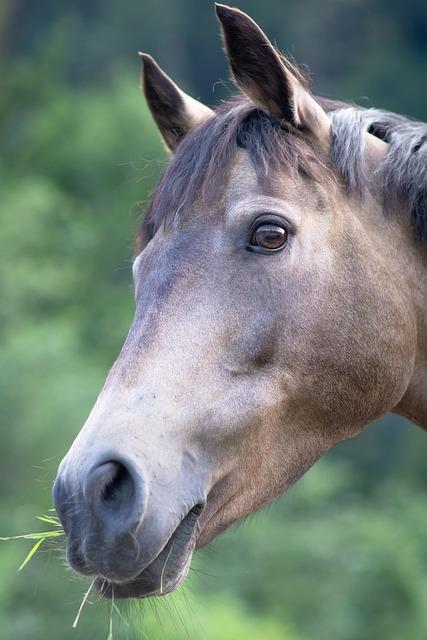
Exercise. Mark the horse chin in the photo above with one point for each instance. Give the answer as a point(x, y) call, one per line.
point(165, 573)
point(145, 585)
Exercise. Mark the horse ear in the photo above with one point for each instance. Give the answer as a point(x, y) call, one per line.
point(174, 112)
point(265, 77)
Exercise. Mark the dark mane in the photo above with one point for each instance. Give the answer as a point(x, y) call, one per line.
point(201, 161)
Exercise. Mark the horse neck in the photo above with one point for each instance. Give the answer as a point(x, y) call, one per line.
point(413, 405)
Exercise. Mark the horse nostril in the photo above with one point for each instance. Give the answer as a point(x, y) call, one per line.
point(114, 495)
point(118, 487)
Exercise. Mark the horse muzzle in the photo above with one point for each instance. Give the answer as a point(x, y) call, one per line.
point(130, 530)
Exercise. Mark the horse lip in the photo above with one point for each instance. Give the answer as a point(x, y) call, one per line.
point(166, 571)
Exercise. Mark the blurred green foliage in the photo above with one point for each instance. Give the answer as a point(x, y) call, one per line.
point(342, 556)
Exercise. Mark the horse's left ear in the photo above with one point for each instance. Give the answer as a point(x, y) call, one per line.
point(265, 77)
point(174, 112)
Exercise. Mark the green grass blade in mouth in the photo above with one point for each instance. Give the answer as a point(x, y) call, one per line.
point(34, 536)
point(39, 536)
point(32, 551)
point(82, 604)
point(50, 520)
point(110, 624)
point(164, 569)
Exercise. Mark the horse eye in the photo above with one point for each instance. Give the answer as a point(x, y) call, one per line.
point(268, 236)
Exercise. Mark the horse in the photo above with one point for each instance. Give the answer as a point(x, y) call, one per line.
point(281, 306)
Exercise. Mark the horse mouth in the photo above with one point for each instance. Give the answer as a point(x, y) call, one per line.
point(168, 569)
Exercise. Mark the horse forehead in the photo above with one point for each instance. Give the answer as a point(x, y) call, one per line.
point(244, 184)
point(242, 178)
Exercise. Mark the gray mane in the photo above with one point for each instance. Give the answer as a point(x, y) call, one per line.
point(403, 171)
point(200, 163)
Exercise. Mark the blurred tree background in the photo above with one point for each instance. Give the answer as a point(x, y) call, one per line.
point(342, 556)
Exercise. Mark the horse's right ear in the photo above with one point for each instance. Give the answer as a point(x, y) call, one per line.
point(174, 112)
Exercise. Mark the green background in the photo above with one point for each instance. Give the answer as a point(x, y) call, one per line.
point(343, 555)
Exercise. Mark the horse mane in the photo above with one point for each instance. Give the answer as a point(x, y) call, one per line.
point(403, 171)
point(200, 163)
